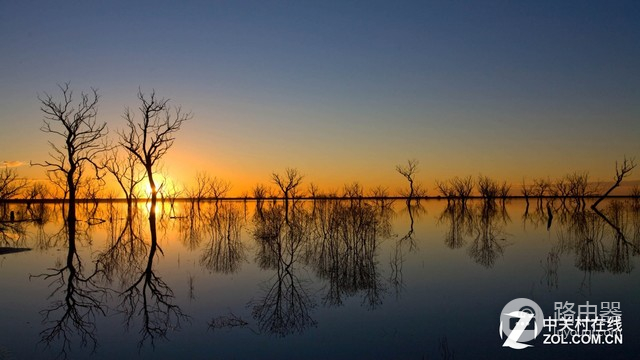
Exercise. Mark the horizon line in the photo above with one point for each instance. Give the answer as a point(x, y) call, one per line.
point(312, 198)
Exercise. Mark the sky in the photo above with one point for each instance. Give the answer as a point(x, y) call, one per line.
point(341, 90)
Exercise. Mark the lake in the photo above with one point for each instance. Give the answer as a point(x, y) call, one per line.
point(324, 279)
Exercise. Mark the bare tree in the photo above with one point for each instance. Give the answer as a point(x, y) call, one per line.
point(287, 184)
point(201, 188)
point(445, 189)
point(462, 187)
point(561, 188)
point(380, 192)
point(208, 187)
point(149, 137)
point(504, 190)
point(125, 170)
point(37, 191)
point(527, 191)
point(488, 187)
point(219, 188)
point(82, 139)
point(622, 170)
point(409, 172)
point(579, 185)
point(313, 190)
point(353, 191)
point(10, 184)
point(541, 187)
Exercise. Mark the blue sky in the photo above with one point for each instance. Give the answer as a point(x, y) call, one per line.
point(342, 90)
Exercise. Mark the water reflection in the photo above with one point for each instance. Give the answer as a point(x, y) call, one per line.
point(224, 251)
point(149, 297)
point(316, 256)
point(599, 239)
point(77, 296)
point(124, 248)
point(345, 250)
point(284, 306)
point(480, 225)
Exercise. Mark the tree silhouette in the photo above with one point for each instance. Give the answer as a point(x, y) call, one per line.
point(150, 137)
point(10, 183)
point(125, 170)
point(409, 172)
point(622, 170)
point(288, 184)
point(82, 139)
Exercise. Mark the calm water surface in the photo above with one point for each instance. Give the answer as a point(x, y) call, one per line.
point(320, 280)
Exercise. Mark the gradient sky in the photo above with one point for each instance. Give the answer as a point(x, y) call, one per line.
point(342, 90)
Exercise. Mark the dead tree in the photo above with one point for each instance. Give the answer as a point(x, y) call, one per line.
point(445, 189)
point(201, 189)
point(81, 139)
point(10, 184)
point(150, 136)
point(463, 187)
point(126, 172)
point(409, 172)
point(313, 191)
point(287, 184)
point(504, 190)
point(622, 170)
point(487, 187)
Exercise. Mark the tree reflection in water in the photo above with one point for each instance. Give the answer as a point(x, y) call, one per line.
point(223, 252)
point(78, 297)
point(482, 222)
point(285, 306)
point(460, 223)
point(149, 297)
point(347, 236)
point(125, 247)
point(489, 242)
point(338, 239)
point(598, 239)
point(323, 252)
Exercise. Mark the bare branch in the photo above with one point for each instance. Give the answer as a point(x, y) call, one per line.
point(622, 170)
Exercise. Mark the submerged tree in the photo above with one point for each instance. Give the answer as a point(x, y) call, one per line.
point(409, 172)
point(288, 184)
point(149, 137)
point(622, 170)
point(124, 169)
point(10, 183)
point(463, 187)
point(81, 139)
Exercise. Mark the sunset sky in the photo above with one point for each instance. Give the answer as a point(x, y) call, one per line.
point(341, 90)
